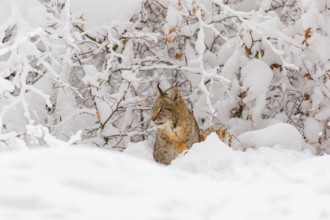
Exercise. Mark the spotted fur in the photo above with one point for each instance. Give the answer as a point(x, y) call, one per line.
point(177, 129)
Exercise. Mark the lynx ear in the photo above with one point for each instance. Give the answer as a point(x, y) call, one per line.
point(159, 91)
point(174, 94)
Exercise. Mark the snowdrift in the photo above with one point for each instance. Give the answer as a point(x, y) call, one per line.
point(211, 181)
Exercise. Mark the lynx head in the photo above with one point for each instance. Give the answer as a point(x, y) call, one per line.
point(165, 110)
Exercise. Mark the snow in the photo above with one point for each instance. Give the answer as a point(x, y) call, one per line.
point(312, 130)
point(256, 89)
point(265, 4)
point(58, 86)
point(310, 19)
point(130, 77)
point(320, 42)
point(92, 76)
point(256, 69)
point(280, 135)
point(105, 12)
point(5, 85)
point(31, 11)
point(210, 181)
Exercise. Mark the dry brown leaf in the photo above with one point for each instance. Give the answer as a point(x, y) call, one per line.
point(98, 115)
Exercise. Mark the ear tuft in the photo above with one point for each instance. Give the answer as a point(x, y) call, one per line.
point(174, 94)
point(159, 91)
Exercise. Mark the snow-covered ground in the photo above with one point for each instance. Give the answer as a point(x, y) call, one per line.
point(211, 181)
point(269, 173)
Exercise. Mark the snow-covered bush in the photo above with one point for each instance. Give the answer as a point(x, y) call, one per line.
point(251, 60)
point(57, 78)
point(70, 65)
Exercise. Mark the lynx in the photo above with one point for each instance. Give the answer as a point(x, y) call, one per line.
point(177, 129)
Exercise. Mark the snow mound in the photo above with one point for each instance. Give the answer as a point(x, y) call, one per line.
point(209, 156)
point(81, 183)
point(140, 150)
point(281, 135)
point(215, 159)
point(88, 183)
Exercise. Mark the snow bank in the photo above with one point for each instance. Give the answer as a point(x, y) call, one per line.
point(210, 156)
point(81, 183)
point(140, 150)
point(215, 159)
point(281, 135)
point(88, 183)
